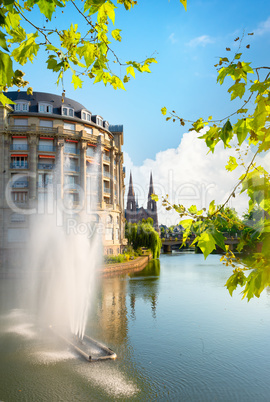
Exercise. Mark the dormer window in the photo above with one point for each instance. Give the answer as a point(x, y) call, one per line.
point(45, 108)
point(106, 125)
point(85, 115)
point(67, 111)
point(21, 106)
point(99, 121)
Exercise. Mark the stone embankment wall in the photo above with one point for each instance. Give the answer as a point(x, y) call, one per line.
point(138, 263)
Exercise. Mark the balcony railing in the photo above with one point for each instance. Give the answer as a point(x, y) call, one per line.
point(45, 166)
point(19, 128)
point(19, 184)
point(44, 185)
point(46, 148)
point(47, 130)
point(19, 147)
point(71, 168)
point(19, 165)
point(71, 151)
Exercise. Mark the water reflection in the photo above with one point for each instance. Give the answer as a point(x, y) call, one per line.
point(178, 335)
point(144, 285)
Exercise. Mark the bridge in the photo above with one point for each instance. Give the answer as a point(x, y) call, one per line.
point(171, 243)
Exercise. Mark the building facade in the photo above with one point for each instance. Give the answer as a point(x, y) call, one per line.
point(54, 148)
point(134, 213)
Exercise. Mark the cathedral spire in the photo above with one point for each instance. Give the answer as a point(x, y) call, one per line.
point(130, 190)
point(151, 186)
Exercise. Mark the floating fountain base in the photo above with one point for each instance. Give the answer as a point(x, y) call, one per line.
point(88, 348)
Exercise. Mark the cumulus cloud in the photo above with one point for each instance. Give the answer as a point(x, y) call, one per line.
point(200, 41)
point(263, 28)
point(188, 175)
point(172, 38)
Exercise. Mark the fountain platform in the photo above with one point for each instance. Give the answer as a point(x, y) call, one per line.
point(89, 348)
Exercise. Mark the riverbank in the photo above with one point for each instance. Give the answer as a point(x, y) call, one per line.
point(138, 263)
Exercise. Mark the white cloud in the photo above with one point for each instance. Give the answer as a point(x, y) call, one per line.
point(200, 41)
point(188, 175)
point(263, 28)
point(172, 38)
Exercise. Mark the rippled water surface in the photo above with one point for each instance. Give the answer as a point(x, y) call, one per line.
point(178, 335)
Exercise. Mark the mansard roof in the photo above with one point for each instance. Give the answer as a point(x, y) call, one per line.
point(40, 97)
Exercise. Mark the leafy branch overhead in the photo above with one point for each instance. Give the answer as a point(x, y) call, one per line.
point(246, 130)
point(85, 48)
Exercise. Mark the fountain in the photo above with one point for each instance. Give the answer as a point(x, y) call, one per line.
point(61, 264)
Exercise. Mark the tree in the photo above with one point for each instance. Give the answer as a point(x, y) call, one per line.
point(142, 234)
point(86, 53)
point(249, 125)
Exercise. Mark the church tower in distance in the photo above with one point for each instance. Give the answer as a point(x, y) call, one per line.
point(135, 214)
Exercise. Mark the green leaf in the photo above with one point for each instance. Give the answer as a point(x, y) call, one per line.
point(130, 70)
point(154, 197)
point(212, 208)
point(27, 50)
point(3, 42)
point(47, 7)
point(238, 90)
point(241, 130)
point(116, 34)
point(206, 243)
point(232, 164)
point(6, 70)
point(184, 2)
point(76, 81)
point(226, 133)
point(4, 100)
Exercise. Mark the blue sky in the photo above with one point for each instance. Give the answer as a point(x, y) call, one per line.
point(186, 46)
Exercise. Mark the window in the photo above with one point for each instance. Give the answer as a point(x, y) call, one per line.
point(99, 121)
point(90, 151)
point(109, 219)
point(69, 126)
point(70, 180)
point(45, 108)
point(67, 111)
point(46, 145)
point(88, 130)
point(19, 162)
point(21, 107)
point(19, 197)
point(70, 147)
point(15, 217)
point(46, 123)
point(85, 115)
point(17, 235)
point(19, 144)
point(20, 122)
point(109, 234)
point(45, 180)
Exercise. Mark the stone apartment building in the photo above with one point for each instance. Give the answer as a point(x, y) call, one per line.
point(53, 148)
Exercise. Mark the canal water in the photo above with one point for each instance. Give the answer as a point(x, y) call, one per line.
point(178, 334)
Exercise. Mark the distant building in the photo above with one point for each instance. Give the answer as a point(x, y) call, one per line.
point(135, 214)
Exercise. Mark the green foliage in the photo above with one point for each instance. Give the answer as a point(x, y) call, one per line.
point(253, 130)
point(143, 234)
point(86, 53)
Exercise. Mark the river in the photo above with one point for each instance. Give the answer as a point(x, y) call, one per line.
point(178, 335)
